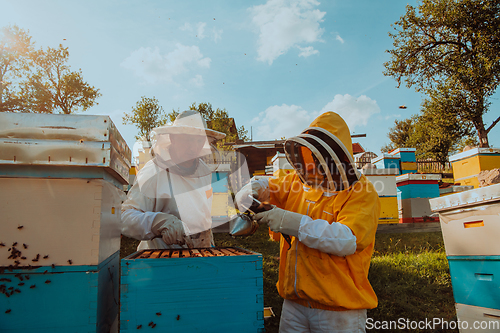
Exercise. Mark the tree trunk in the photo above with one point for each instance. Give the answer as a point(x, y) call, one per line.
point(481, 132)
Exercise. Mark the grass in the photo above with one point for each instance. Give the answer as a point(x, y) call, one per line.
point(409, 273)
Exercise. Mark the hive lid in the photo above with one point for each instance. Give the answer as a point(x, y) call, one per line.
point(190, 253)
point(417, 176)
point(467, 198)
point(472, 152)
point(380, 172)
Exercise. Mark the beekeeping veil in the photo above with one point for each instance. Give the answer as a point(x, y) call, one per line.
point(191, 127)
point(326, 147)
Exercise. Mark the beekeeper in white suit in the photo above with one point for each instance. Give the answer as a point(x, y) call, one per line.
point(169, 205)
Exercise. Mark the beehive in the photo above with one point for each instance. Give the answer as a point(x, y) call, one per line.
point(468, 164)
point(191, 290)
point(66, 219)
point(470, 221)
point(414, 192)
point(408, 161)
point(485, 320)
point(384, 181)
point(281, 167)
point(470, 226)
point(62, 146)
point(60, 299)
point(386, 161)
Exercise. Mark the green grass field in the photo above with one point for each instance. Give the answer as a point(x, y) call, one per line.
point(409, 273)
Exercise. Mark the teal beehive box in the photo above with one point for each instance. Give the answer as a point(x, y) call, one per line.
point(192, 290)
point(60, 299)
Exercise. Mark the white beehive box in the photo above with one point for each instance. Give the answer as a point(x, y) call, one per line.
point(477, 319)
point(65, 141)
point(470, 221)
point(384, 180)
point(64, 219)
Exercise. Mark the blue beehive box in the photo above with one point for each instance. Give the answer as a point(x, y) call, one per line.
point(61, 299)
point(475, 280)
point(408, 160)
point(192, 290)
point(386, 161)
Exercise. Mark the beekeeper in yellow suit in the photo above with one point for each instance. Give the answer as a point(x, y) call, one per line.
point(170, 204)
point(330, 211)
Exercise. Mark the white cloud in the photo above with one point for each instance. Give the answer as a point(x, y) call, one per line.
point(340, 39)
point(197, 81)
point(200, 30)
point(307, 51)
point(286, 24)
point(393, 116)
point(281, 121)
point(153, 67)
point(289, 120)
point(355, 111)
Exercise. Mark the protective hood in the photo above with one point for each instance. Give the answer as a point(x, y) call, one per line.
point(325, 147)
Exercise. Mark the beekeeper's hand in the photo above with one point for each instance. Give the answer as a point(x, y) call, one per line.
point(171, 230)
point(280, 220)
point(258, 189)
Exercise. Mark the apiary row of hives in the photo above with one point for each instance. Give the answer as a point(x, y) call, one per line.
point(62, 180)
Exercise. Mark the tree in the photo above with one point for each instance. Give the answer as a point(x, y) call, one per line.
point(457, 42)
point(51, 85)
point(217, 120)
point(15, 46)
point(146, 115)
point(400, 135)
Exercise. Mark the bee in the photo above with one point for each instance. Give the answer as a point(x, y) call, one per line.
point(20, 227)
point(34, 259)
point(2, 244)
point(151, 324)
point(178, 317)
point(46, 271)
point(27, 277)
point(24, 258)
point(17, 290)
point(8, 311)
point(10, 288)
point(15, 243)
point(25, 246)
point(5, 279)
point(139, 327)
point(70, 262)
point(20, 284)
point(32, 286)
point(46, 257)
point(38, 256)
point(158, 313)
point(17, 262)
point(53, 266)
point(47, 282)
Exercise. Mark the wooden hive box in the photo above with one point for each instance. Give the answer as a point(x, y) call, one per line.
point(64, 219)
point(61, 299)
point(468, 164)
point(470, 221)
point(62, 146)
point(384, 181)
point(197, 290)
point(476, 319)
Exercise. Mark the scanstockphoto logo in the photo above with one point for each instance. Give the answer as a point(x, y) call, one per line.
point(432, 324)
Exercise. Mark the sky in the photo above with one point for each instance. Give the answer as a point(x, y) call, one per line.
point(274, 65)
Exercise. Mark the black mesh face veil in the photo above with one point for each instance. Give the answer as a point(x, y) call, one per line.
point(330, 157)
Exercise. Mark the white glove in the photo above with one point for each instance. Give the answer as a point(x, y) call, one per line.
point(258, 189)
point(171, 230)
point(280, 220)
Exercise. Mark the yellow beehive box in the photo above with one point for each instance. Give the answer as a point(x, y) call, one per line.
point(389, 210)
point(468, 164)
point(58, 221)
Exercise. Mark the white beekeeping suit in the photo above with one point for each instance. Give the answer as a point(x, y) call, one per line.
point(169, 205)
